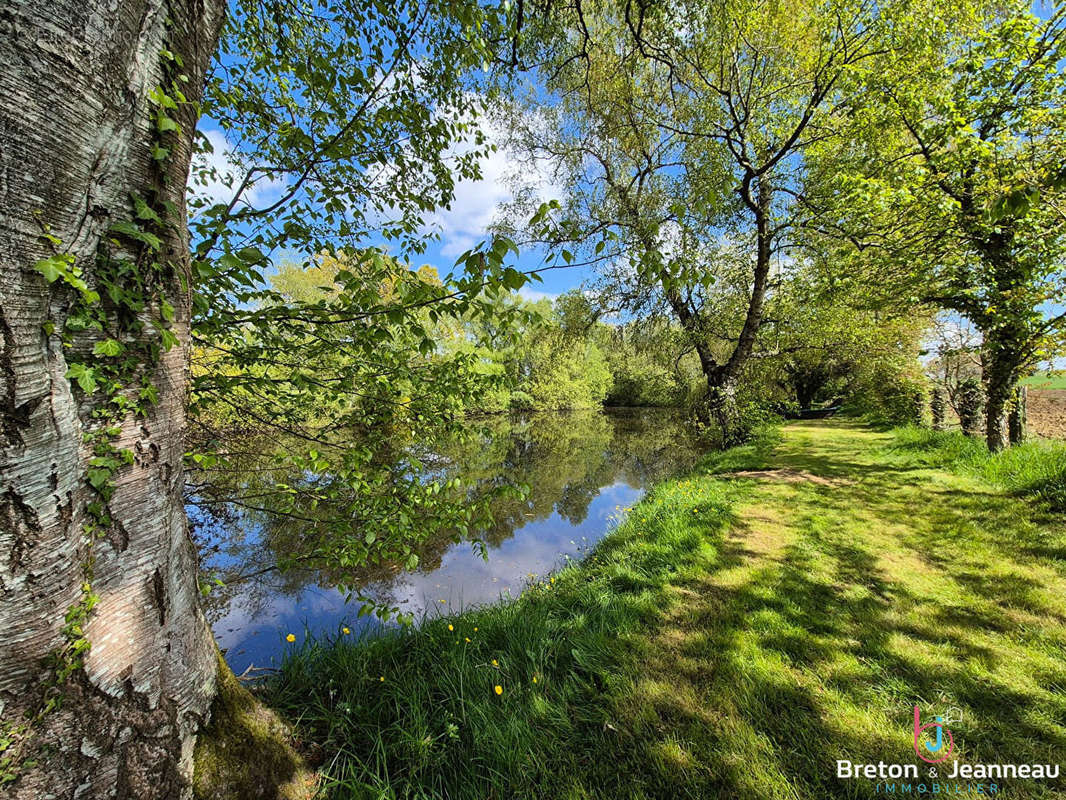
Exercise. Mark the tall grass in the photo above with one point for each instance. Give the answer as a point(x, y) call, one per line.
point(1034, 469)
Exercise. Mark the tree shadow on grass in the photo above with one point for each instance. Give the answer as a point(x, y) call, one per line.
point(819, 654)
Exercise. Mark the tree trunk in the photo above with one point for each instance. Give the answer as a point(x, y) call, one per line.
point(1016, 420)
point(75, 143)
point(996, 419)
point(999, 367)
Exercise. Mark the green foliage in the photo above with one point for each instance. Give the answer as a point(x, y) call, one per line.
point(956, 178)
point(828, 346)
point(61, 266)
point(650, 363)
point(683, 132)
point(358, 119)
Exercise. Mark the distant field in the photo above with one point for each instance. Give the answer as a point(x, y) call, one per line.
point(1042, 380)
point(1047, 413)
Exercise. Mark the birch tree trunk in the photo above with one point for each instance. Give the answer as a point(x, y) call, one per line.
point(76, 130)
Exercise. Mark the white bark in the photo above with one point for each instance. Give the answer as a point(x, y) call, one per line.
point(75, 131)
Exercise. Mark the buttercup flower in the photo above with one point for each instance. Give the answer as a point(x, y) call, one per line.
point(499, 689)
point(290, 638)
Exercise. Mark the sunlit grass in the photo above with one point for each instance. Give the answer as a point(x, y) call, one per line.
point(731, 639)
point(1034, 468)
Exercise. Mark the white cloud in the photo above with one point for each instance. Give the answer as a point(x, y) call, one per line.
point(228, 174)
point(477, 203)
point(533, 295)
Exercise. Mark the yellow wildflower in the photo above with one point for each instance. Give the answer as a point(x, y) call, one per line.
point(499, 689)
point(451, 627)
point(346, 631)
point(290, 638)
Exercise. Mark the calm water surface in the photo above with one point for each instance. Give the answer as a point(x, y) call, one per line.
point(582, 469)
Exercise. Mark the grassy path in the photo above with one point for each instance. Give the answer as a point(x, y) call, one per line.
point(737, 635)
point(851, 586)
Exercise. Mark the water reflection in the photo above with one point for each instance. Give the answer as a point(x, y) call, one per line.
point(581, 469)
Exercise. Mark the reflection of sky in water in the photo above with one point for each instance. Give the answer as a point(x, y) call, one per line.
point(252, 629)
point(602, 460)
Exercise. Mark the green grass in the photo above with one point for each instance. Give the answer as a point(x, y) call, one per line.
point(1035, 469)
point(733, 638)
point(1044, 380)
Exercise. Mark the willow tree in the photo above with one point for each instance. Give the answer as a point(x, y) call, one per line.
point(347, 109)
point(682, 129)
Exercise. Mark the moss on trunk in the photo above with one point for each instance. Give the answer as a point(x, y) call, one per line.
point(247, 751)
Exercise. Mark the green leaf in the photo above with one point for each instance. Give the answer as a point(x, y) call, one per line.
point(85, 376)
point(145, 211)
point(165, 124)
point(108, 347)
point(133, 231)
point(99, 477)
point(251, 255)
point(51, 267)
point(167, 338)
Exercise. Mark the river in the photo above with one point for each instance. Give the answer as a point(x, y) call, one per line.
point(582, 471)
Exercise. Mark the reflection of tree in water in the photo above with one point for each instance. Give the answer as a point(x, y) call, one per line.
point(563, 461)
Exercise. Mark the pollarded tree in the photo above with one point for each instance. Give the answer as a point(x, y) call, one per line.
point(965, 188)
point(681, 130)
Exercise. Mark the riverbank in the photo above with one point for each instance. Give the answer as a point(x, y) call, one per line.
point(780, 608)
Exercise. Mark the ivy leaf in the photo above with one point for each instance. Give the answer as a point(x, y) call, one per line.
point(99, 477)
point(165, 124)
point(133, 231)
point(168, 338)
point(145, 211)
point(51, 267)
point(84, 375)
point(150, 394)
point(108, 347)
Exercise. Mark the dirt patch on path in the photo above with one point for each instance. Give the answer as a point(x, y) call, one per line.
point(788, 475)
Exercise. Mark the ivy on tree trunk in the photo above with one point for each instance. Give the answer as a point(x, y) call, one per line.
point(108, 666)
